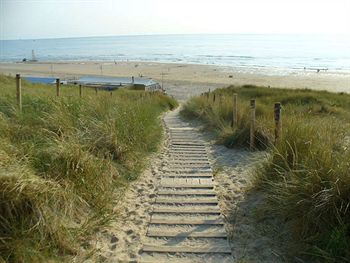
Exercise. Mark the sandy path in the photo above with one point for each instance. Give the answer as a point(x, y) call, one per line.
point(121, 241)
point(185, 224)
point(252, 236)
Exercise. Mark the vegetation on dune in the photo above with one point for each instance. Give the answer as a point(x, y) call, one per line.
point(307, 175)
point(63, 161)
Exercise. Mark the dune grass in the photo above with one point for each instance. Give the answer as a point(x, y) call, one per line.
point(307, 176)
point(64, 160)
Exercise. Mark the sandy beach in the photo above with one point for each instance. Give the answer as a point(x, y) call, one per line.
point(185, 80)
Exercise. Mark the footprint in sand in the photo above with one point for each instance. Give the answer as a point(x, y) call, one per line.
point(114, 239)
point(139, 222)
point(129, 232)
point(132, 256)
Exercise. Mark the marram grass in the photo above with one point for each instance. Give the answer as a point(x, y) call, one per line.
point(63, 160)
point(307, 175)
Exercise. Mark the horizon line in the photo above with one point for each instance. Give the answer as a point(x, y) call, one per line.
point(176, 34)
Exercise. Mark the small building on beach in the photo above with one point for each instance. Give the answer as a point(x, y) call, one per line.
point(111, 83)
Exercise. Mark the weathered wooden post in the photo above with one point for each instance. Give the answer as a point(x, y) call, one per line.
point(58, 87)
point(80, 91)
point(214, 98)
point(234, 110)
point(19, 91)
point(111, 93)
point(252, 124)
point(96, 91)
point(278, 122)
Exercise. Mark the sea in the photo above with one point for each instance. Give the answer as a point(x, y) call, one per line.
point(277, 53)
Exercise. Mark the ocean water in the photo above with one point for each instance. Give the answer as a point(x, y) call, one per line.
point(273, 52)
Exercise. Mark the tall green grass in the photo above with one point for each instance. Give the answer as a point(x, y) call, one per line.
point(307, 175)
point(63, 161)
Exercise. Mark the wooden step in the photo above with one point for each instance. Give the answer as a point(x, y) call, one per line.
point(186, 143)
point(187, 161)
point(187, 151)
point(188, 166)
point(198, 200)
point(187, 210)
point(186, 192)
point(174, 185)
point(187, 146)
point(188, 171)
point(215, 248)
point(172, 233)
point(183, 221)
point(181, 129)
point(209, 175)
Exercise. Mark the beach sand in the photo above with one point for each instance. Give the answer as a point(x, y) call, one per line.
point(185, 80)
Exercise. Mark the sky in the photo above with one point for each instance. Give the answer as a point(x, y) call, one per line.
point(32, 19)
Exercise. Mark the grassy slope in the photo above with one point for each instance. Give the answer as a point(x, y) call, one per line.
point(307, 177)
point(63, 160)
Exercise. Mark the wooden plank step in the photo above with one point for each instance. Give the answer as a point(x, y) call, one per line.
point(214, 248)
point(181, 129)
point(182, 138)
point(197, 200)
point(203, 234)
point(175, 185)
point(188, 171)
point(186, 149)
point(202, 154)
point(186, 192)
point(187, 143)
point(187, 210)
point(180, 158)
point(186, 161)
point(187, 175)
point(183, 155)
point(188, 153)
point(187, 146)
point(190, 221)
point(189, 166)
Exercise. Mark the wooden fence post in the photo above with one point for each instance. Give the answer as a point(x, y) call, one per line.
point(58, 87)
point(80, 91)
point(208, 94)
point(278, 122)
point(19, 91)
point(214, 98)
point(252, 124)
point(96, 91)
point(234, 111)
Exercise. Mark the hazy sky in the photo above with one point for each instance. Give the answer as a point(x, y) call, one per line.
point(73, 18)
